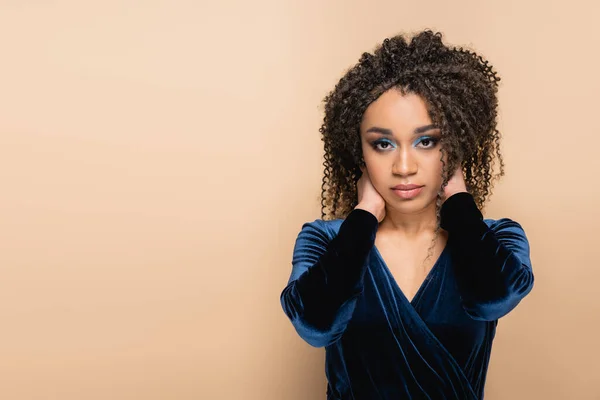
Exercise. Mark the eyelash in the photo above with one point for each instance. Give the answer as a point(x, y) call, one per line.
point(432, 140)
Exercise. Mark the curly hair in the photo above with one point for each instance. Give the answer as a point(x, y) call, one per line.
point(460, 90)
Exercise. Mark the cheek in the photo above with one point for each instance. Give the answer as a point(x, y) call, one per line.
point(376, 174)
point(379, 175)
point(435, 176)
point(439, 166)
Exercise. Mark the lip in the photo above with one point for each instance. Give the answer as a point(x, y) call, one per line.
point(408, 194)
point(407, 187)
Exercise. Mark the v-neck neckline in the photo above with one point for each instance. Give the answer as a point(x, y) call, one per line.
point(423, 284)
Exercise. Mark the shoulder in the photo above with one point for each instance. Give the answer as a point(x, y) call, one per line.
point(504, 225)
point(511, 234)
point(332, 227)
point(328, 229)
point(312, 242)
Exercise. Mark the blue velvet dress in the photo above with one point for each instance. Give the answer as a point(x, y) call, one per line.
point(378, 345)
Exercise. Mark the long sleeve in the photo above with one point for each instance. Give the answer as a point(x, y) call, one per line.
point(327, 276)
point(493, 271)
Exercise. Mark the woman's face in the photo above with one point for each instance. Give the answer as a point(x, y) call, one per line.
point(401, 146)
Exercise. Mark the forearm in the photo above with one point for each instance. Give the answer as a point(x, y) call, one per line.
point(492, 278)
point(321, 300)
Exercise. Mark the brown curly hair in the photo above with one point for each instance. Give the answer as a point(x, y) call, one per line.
point(460, 90)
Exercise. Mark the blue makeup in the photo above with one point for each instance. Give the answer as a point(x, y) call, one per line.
point(431, 142)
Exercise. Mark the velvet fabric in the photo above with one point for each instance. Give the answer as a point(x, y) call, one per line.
point(378, 345)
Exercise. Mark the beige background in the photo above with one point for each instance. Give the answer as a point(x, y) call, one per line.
point(158, 159)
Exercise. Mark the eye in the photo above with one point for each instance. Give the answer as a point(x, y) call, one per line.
point(433, 142)
point(382, 143)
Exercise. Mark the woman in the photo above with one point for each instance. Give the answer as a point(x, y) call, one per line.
point(409, 136)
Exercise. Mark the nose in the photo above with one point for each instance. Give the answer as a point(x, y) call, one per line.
point(405, 163)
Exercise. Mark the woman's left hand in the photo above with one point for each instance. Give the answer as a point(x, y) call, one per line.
point(456, 184)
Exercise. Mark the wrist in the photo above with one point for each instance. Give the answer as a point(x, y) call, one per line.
point(369, 208)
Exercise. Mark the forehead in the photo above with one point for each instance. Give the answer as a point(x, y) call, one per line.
point(395, 111)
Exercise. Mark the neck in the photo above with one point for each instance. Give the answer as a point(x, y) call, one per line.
point(411, 226)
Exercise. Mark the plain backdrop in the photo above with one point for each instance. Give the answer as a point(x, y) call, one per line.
point(158, 159)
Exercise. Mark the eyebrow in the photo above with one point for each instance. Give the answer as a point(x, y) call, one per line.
point(386, 131)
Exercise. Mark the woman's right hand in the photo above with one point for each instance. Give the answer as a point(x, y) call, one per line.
point(369, 198)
